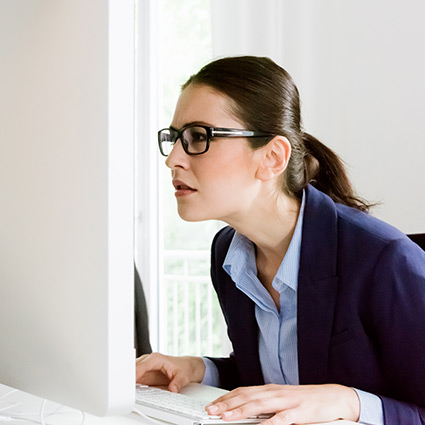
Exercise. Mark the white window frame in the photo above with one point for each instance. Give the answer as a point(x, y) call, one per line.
point(147, 101)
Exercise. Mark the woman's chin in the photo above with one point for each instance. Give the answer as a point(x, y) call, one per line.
point(191, 216)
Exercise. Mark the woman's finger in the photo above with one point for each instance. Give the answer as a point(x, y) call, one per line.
point(153, 366)
point(297, 404)
point(246, 402)
point(175, 372)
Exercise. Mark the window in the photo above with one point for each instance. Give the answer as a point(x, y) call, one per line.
point(172, 255)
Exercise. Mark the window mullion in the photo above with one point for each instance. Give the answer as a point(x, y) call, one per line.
point(147, 100)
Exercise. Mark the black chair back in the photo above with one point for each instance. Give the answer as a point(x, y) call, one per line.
point(418, 238)
point(141, 329)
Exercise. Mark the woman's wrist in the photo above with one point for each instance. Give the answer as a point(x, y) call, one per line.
point(197, 367)
point(352, 401)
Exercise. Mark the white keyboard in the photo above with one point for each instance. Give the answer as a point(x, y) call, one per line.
point(172, 402)
point(178, 408)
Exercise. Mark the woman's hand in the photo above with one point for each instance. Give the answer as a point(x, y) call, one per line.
point(292, 404)
point(173, 372)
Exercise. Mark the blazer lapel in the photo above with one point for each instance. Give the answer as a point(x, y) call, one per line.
point(239, 313)
point(317, 286)
point(243, 332)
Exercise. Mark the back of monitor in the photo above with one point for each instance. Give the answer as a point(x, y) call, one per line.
point(66, 201)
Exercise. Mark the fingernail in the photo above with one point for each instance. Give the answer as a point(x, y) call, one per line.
point(213, 409)
point(227, 414)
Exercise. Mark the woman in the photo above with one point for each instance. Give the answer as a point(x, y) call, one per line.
point(325, 305)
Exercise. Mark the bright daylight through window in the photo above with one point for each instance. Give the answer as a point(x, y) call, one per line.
point(190, 319)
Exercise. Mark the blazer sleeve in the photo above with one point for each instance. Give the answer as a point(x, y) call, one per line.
point(227, 372)
point(399, 315)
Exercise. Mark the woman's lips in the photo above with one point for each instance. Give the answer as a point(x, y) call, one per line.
point(182, 189)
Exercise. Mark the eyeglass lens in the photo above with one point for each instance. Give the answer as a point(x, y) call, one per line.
point(194, 140)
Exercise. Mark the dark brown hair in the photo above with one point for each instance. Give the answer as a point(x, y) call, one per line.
point(264, 97)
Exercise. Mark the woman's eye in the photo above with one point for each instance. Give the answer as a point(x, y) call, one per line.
point(198, 137)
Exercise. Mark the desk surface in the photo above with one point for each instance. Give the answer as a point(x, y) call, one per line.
point(28, 406)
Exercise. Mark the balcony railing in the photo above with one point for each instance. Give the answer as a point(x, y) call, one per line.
point(191, 319)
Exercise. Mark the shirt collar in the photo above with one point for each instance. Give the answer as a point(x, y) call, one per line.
point(240, 258)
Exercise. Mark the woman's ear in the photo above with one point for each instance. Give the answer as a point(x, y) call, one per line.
point(274, 158)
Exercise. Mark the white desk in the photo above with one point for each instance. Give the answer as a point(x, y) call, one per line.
point(31, 406)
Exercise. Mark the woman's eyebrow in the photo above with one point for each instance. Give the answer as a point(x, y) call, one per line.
point(192, 123)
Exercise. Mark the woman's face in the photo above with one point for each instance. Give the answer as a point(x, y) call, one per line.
point(219, 184)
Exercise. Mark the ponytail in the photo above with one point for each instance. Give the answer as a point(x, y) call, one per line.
point(325, 170)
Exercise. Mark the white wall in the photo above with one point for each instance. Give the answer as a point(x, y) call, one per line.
point(359, 66)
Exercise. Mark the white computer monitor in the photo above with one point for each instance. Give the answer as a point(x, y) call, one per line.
point(66, 201)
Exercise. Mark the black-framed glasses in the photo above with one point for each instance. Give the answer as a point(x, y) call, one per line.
point(195, 138)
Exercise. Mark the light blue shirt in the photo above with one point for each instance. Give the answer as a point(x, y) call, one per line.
point(278, 329)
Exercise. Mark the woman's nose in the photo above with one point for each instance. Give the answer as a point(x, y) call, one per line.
point(177, 157)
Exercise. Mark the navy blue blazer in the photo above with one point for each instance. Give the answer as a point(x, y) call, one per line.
point(361, 310)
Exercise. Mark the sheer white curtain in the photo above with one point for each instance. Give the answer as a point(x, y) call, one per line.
point(359, 66)
point(279, 29)
point(247, 27)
